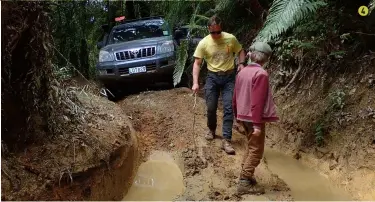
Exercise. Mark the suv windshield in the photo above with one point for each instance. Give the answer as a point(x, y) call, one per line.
point(139, 30)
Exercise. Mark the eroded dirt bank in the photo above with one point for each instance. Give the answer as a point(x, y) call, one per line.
point(95, 160)
point(327, 122)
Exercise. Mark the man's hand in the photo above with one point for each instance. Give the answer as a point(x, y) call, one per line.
point(256, 132)
point(240, 67)
point(195, 88)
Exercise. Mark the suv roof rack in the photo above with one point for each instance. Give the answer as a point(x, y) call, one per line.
point(145, 18)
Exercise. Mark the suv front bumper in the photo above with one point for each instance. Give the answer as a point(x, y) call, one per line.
point(156, 66)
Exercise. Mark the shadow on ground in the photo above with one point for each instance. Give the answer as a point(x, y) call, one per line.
point(133, 89)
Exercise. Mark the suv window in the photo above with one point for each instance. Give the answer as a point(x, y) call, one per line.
point(139, 30)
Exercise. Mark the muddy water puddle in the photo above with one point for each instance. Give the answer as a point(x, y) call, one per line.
point(160, 178)
point(304, 182)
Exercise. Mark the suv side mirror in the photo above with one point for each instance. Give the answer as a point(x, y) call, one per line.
point(99, 45)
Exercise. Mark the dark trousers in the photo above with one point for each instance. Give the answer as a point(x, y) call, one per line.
point(214, 85)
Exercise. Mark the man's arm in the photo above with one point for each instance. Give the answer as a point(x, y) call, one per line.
point(242, 57)
point(196, 70)
point(258, 99)
point(241, 53)
point(198, 54)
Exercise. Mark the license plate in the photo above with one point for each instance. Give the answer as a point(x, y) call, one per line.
point(136, 70)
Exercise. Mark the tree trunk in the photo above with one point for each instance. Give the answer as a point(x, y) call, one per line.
point(84, 59)
point(84, 55)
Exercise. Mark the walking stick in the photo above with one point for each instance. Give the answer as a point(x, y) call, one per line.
point(194, 106)
point(200, 151)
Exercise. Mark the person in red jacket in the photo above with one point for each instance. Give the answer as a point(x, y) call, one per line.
point(253, 105)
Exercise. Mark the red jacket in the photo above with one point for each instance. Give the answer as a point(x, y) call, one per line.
point(252, 97)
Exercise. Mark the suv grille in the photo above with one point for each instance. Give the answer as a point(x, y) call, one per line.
point(136, 53)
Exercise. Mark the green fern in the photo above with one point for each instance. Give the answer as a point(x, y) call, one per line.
point(371, 6)
point(224, 5)
point(319, 134)
point(195, 26)
point(182, 56)
point(284, 14)
point(176, 11)
point(183, 51)
point(201, 17)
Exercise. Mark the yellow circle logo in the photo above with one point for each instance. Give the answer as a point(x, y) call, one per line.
point(363, 11)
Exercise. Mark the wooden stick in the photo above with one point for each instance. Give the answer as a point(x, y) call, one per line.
point(194, 106)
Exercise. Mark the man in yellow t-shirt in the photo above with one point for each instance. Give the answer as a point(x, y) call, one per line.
point(219, 50)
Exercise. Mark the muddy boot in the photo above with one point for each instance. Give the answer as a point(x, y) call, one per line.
point(246, 186)
point(227, 147)
point(210, 135)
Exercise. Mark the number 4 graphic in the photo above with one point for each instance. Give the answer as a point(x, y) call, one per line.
point(363, 11)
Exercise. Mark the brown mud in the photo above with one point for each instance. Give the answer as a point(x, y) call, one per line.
point(164, 121)
point(100, 161)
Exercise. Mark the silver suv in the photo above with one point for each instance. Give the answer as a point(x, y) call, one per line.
point(137, 51)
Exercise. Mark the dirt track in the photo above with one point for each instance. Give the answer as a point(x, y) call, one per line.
point(164, 121)
point(161, 120)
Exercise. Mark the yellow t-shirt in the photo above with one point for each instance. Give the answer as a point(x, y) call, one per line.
point(219, 54)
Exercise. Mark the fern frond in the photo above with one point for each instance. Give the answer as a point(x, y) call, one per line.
point(371, 6)
point(196, 10)
point(223, 5)
point(195, 27)
point(182, 55)
point(183, 51)
point(176, 11)
point(284, 14)
point(210, 12)
point(201, 17)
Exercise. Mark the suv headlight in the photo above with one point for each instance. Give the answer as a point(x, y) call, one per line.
point(166, 47)
point(105, 56)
